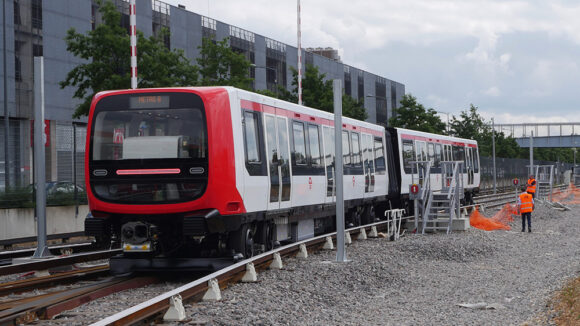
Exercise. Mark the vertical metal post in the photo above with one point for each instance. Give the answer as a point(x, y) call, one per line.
point(532, 154)
point(74, 169)
point(338, 179)
point(493, 153)
point(6, 113)
point(39, 162)
point(133, 34)
point(299, 35)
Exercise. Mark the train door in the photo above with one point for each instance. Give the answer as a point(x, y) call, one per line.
point(276, 128)
point(469, 165)
point(369, 164)
point(421, 148)
point(328, 137)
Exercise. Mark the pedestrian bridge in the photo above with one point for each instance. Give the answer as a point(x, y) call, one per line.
point(553, 134)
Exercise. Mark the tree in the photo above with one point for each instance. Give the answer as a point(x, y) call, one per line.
point(413, 115)
point(318, 93)
point(221, 66)
point(106, 50)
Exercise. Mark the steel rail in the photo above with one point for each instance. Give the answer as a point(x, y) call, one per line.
point(224, 276)
point(49, 305)
point(44, 264)
point(42, 282)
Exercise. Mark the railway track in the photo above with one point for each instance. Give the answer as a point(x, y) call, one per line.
point(152, 310)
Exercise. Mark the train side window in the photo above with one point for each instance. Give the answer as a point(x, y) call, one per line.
point(380, 166)
point(314, 142)
point(345, 149)
point(408, 155)
point(355, 141)
point(431, 154)
point(251, 138)
point(456, 156)
point(438, 154)
point(299, 143)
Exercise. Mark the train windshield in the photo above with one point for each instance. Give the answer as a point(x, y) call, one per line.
point(149, 148)
point(149, 134)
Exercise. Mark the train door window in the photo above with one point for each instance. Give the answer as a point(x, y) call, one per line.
point(431, 153)
point(380, 166)
point(456, 156)
point(299, 143)
point(314, 142)
point(368, 162)
point(408, 155)
point(421, 151)
point(475, 160)
point(273, 157)
point(328, 134)
point(355, 141)
point(251, 139)
point(345, 149)
point(284, 158)
point(438, 154)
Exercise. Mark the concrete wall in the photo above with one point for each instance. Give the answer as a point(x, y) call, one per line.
point(20, 222)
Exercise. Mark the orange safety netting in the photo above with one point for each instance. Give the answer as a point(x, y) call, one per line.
point(570, 196)
point(499, 221)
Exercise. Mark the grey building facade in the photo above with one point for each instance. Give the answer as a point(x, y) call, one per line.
point(38, 28)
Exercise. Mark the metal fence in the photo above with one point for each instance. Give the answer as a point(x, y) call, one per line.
point(509, 168)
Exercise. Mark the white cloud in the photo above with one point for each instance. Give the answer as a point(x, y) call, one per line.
point(492, 91)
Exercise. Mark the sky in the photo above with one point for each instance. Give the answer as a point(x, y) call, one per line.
point(517, 61)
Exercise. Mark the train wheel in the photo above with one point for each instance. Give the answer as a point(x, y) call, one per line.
point(266, 235)
point(242, 241)
point(368, 215)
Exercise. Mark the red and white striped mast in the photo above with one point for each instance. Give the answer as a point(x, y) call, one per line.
point(133, 34)
point(299, 58)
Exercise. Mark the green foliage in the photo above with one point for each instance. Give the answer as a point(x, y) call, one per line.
point(413, 115)
point(220, 66)
point(108, 64)
point(318, 93)
point(24, 197)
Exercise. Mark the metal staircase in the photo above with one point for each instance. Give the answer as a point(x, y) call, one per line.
point(442, 207)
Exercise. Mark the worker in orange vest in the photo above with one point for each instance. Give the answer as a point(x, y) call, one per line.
point(525, 208)
point(531, 186)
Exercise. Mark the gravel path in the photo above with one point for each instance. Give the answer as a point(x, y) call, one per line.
point(418, 280)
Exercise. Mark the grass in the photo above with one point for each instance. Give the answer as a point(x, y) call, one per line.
point(566, 304)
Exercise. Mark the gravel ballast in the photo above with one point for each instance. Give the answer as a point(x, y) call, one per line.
point(417, 280)
point(507, 277)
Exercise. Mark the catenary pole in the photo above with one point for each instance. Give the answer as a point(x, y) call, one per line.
point(532, 153)
point(299, 56)
point(39, 162)
point(338, 179)
point(493, 152)
point(133, 33)
point(6, 113)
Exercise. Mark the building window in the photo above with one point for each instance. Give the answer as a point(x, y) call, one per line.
point(347, 86)
point(381, 101)
point(361, 86)
point(161, 21)
point(17, 20)
point(17, 69)
point(37, 50)
point(208, 28)
point(243, 42)
point(275, 65)
point(37, 14)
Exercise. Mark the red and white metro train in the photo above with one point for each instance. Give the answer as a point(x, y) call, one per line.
point(208, 175)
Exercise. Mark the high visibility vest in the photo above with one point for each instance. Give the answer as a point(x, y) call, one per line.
point(531, 188)
point(527, 205)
